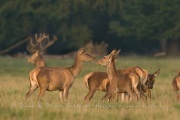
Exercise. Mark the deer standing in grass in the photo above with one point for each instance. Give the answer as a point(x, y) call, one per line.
point(41, 43)
point(119, 82)
point(57, 78)
point(176, 86)
point(100, 81)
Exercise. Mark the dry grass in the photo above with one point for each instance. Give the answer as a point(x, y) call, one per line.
point(15, 84)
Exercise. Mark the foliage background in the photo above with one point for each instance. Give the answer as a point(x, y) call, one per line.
point(141, 27)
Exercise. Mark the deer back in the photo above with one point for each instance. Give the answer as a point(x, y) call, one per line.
point(96, 80)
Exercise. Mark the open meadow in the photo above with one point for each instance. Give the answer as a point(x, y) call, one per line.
point(14, 84)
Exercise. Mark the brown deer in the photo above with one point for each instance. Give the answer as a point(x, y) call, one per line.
point(149, 83)
point(42, 42)
point(99, 81)
point(147, 87)
point(119, 82)
point(57, 78)
point(176, 86)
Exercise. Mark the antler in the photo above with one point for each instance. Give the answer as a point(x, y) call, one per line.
point(39, 45)
point(49, 43)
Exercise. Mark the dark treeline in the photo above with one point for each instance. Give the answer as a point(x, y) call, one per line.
point(136, 26)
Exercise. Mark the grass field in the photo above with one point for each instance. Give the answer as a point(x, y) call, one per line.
point(15, 84)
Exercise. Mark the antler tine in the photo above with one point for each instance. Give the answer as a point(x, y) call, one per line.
point(42, 37)
point(49, 43)
point(32, 47)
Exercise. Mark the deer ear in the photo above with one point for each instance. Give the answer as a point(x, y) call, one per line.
point(117, 53)
point(113, 51)
point(157, 73)
point(111, 57)
point(81, 50)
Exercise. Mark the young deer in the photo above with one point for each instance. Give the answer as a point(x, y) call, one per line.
point(119, 82)
point(42, 42)
point(149, 83)
point(176, 86)
point(57, 78)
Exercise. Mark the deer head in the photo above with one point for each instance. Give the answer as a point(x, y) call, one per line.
point(105, 60)
point(83, 56)
point(36, 48)
point(151, 79)
point(34, 56)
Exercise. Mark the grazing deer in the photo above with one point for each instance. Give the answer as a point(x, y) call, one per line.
point(42, 42)
point(176, 86)
point(57, 78)
point(119, 82)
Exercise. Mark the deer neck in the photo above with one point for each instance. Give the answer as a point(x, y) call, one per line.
point(111, 70)
point(40, 62)
point(39, 58)
point(77, 67)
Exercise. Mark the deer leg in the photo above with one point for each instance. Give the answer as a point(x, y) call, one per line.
point(89, 95)
point(142, 93)
point(107, 96)
point(114, 97)
point(122, 96)
point(140, 88)
point(127, 97)
point(149, 93)
point(137, 93)
point(41, 93)
point(130, 92)
point(33, 87)
point(61, 95)
point(177, 94)
point(176, 89)
point(66, 92)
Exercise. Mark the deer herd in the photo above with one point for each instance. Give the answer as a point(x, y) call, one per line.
point(129, 84)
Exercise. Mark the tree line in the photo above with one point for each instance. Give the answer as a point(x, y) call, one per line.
point(136, 26)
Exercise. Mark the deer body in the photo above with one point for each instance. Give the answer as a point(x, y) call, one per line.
point(176, 86)
point(57, 78)
point(119, 83)
point(97, 81)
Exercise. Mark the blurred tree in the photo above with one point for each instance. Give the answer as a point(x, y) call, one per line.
point(136, 26)
point(150, 20)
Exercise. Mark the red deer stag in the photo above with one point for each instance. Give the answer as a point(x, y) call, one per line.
point(42, 42)
point(176, 86)
point(119, 82)
point(57, 78)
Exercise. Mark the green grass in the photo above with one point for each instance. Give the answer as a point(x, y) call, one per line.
point(14, 85)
